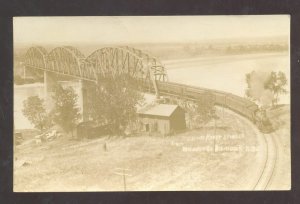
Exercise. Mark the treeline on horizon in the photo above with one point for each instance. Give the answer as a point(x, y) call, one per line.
point(191, 50)
point(165, 51)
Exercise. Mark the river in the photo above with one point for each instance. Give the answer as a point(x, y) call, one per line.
point(227, 73)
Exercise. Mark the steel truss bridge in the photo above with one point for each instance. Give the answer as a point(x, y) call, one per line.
point(139, 65)
point(70, 61)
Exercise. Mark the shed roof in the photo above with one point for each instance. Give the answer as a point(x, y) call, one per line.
point(165, 110)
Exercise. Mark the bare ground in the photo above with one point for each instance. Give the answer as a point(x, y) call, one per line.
point(186, 161)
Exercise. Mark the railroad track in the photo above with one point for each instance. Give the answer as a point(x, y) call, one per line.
point(267, 173)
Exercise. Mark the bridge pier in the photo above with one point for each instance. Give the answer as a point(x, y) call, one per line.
point(83, 99)
point(80, 87)
point(49, 84)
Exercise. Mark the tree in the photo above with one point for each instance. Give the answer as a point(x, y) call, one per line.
point(205, 109)
point(36, 113)
point(114, 102)
point(200, 112)
point(276, 83)
point(265, 88)
point(65, 112)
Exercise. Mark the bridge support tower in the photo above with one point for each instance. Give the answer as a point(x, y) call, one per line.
point(49, 85)
point(83, 99)
point(80, 87)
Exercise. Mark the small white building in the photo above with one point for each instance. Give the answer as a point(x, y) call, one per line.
point(164, 119)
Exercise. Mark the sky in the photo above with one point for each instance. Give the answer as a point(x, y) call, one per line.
point(146, 29)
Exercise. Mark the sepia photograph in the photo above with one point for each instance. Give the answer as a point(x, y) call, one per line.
point(151, 103)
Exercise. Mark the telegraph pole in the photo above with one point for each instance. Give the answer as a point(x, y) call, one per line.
point(123, 174)
point(124, 179)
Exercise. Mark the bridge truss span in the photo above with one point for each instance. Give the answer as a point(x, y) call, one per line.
point(70, 61)
point(36, 57)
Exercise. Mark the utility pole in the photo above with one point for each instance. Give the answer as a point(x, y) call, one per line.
point(124, 179)
point(123, 174)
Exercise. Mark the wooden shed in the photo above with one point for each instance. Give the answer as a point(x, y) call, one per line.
point(162, 118)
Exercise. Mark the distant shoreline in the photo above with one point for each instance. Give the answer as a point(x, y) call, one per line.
point(244, 56)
